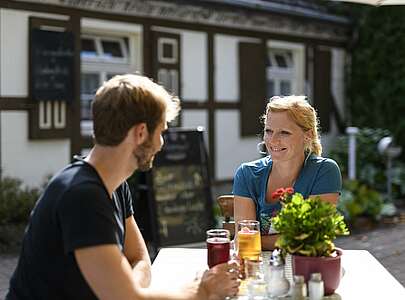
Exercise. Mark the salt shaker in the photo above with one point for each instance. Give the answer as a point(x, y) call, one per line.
point(315, 287)
point(299, 288)
point(278, 284)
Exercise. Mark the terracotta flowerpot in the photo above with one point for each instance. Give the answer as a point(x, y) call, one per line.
point(329, 267)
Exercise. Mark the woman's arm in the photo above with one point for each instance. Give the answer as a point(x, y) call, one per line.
point(245, 209)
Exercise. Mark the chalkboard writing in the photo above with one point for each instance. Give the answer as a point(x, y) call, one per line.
point(51, 65)
point(181, 188)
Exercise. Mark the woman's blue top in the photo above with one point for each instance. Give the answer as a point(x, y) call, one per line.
point(318, 176)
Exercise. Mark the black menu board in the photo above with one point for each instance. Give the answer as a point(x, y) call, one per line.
point(52, 61)
point(181, 188)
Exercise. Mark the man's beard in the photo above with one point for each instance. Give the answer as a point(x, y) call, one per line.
point(144, 156)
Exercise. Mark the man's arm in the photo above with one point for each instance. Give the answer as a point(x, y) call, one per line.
point(136, 252)
point(110, 276)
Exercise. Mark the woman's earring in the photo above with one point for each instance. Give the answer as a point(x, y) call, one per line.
point(261, 147)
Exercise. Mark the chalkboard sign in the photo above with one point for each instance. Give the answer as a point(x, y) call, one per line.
point(52, 65)
point(181, 188)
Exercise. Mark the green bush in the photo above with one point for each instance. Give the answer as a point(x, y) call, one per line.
point(370, 164)
point(376, 84)
point(16, 202)
point(359, 200)
point(11, 237)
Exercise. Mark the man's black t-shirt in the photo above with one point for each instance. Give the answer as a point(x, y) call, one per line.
point(75, 211)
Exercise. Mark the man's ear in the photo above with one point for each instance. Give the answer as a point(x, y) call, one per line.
point(140, 133)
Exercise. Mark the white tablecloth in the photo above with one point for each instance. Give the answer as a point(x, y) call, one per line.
point(364, 277)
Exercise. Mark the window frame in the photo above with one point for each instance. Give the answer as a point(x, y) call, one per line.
point(295, 74)
point(167, 60)
point(100, 56)
point(101, 30)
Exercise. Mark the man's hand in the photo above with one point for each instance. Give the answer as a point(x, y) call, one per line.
point(219, 282)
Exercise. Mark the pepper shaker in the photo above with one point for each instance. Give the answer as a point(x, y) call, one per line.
point(315, 287)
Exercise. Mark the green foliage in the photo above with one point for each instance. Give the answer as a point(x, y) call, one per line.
point(11, 237)
point(370, 165)
point(359, 200)
point(16, 202)
point(377, 79)
point(308, 227)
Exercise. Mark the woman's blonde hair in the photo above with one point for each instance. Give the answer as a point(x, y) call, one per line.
point(302, 113)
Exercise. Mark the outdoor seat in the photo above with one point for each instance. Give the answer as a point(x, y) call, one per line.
point(226, 203)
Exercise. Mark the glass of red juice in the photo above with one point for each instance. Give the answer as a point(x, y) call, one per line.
point(218, 246)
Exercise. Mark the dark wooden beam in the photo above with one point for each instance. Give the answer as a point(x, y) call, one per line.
point(15, 103)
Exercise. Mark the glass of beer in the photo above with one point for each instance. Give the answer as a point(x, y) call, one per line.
point(248, 240)
point(218, 246)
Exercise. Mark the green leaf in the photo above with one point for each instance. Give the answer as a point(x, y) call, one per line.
point(308, 226)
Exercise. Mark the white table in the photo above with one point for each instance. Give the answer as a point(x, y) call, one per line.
point(364, 277)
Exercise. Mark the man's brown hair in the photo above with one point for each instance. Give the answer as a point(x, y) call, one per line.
point(127, 100)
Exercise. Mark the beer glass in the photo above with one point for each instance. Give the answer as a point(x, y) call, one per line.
point(218, 246)
point(248, 240)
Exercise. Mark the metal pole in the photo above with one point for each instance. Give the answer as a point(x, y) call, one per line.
point(352, 131)
point(1, 161)
point(389, 180)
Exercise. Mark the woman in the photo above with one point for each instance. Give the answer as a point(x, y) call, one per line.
point(293, 144)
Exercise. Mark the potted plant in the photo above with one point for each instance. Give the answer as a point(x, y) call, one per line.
point(307, 229)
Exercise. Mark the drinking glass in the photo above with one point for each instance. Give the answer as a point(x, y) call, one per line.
point(218, 246)
point(248, 240)
point(256, 283)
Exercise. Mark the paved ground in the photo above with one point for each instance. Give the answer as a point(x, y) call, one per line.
point(386, 243)
point(7, 265)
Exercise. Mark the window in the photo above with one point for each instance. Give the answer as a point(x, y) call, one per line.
point(280, 72)
point(89, 85)
point(105, 49)
point(167, 50)
point(102, 57)
point(169, 79)
point(285, 68)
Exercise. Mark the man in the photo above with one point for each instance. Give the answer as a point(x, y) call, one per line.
point(82, 241)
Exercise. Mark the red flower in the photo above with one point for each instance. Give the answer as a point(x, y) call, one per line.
point(282, 193)
point(289, 190)
point(277, 193)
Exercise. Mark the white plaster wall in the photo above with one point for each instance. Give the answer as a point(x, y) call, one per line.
point(194, 66)
point(226, 72)
point(193, 118)
point(231, 150)
point(29, 161)
point(14, 54)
